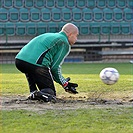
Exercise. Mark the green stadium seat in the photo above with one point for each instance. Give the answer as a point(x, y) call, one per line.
point(56, 14)
point(2, 29)
point(18, 4)
point(95, 28)
point(128, 14)
point(118, 14)
point(3, 15)
point(131, 25)
point(87, 14)
point(14, 14)
point(105, 28)
point(115, 28)
point(66, 14)
point(91, 4)
point(60, 3)
point(70, 3)
point(35, 14)
point(8, 3)
point(130, 3)
point(98, 14)
point(111, 3)
point(53, 27)
point(20, 28)
point(84, 28)
point(10, 29)
point(1, 3)
point(50, 3)
point(29, 3)
point(125, 27)
point(41, 28)
point(24, 14)
point(121, 3)
point(31, 28)
point(107, 14)
point(45, 14)
point(40, 3)
point(81, 3)
point(101, 3)
point(77, 14)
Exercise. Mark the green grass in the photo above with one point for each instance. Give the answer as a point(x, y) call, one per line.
point(89, 120)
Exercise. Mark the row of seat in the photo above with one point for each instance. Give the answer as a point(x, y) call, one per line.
point(65, 14)
point(66, 3)
point(85, 28)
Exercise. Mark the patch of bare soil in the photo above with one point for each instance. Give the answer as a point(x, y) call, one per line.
point(63, 103)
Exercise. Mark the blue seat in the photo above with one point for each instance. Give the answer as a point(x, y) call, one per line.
point(29, 3)
point(10, 29)
point(125, 28)
point(35, 14)
point(18, 3)
point(81, 3)
point(77, 14)
point(111, 3)
point(121, 3)
point(118, 14)
point(101, 3)
point(91, 4)
point(115, 28)
point(31, 28)
point(53, 27)
point(84, 28)
point(95, 28)
point(50, 3)
point(8, 3)
point(2, 29)
point(128, 14)
point(105, 28)
point(66, 14)
point(70, 3)
point(14, 15)
point(41, 28)
point(24, 14)
point(98, 14)
point(60, 3)
point(107, 14)
point(40, 3)
point(20, 28)
point(56, 14)
point(4, 14)
point(87, 14)
point(130, 3)
point(131, 25)
point(45, 14)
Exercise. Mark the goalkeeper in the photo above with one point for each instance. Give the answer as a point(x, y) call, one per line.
point(40, 60)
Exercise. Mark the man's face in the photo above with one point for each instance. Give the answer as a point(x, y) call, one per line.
point(72, 38)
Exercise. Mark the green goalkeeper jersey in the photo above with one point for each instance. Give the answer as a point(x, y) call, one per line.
point(48, 50)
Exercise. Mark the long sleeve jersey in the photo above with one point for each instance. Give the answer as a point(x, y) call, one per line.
point(50, 50)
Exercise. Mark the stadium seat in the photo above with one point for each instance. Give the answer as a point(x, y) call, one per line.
point(131, 25)
point(29, 3)
point(60, 25)
point(105, 28)
point(20, 28)
point(8, 3)
point(95, 28)
point(2, 29)
point(101, 3)
point(13, 14)
point(40, 3)
point(98, 14)
point(66, 14)
point(31, 28)
point(35, 14)
point(128, 14)
point(84, 28)
point(118, 14)
point(107, 14)
point(18, 4)
point(45, 14)
point(115, 28)
point(91, 4)
point(121, 3)
point(60, 3)
point(41, 28)
point(3, 15)
point(53, 27)
point(130, 3)
point(81, 3)
point(10, 29)
point(111, 3)
point(87, 14)
point(24, 14)
point(70, 3)
point(77, 14)
point(56, 14)
point(125, 27)
point(50, 3)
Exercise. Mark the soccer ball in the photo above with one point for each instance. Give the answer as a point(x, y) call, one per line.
point(109, 75)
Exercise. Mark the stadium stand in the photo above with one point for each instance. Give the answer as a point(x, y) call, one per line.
point(102, 23)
